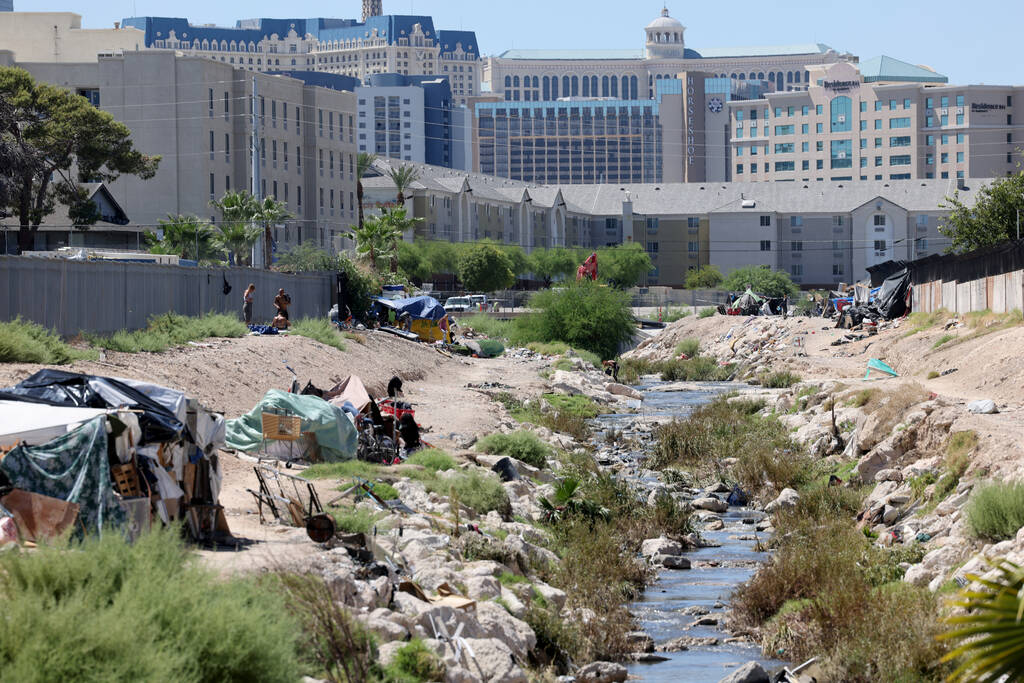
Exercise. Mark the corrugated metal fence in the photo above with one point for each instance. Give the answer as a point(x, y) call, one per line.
point(998, 293)
point(106, 296)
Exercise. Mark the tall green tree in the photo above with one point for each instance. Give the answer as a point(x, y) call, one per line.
point(705, 277)
point(62, 141)
point(364, 162)
point(989, 220)
point(403, 177)
point(186, 236)
point(305, 258)
point(518, 258)
point(237, 231)
point(414, 261)
point(762, 280)
point(377, 240)
point(623, 266)
point(553, 263)
point(484, 268)
point(270, 212)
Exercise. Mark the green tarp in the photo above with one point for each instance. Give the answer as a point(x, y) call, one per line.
point(334, 432)
point(875, 364)
point(72, 467)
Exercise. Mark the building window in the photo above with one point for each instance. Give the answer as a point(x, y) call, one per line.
point(837, 221)
point(797, 269)
point(879, 220)
point(766, 221)
point(766, 245)
point(837, 268)
point(796, 221)
point(693, 222)
point(796, 246)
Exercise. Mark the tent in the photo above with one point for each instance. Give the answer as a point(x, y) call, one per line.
point(333, 431)
point(35, 424)
point(429, 319)
point(350, 390)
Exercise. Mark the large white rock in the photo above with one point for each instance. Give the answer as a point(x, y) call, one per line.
point(482, 587)
point(512, 601)
point(493, 661)
point(660, 546)
point(623, 390)
point(710, 503)
point(787, 499)
point(751, 672)
point(552, 595)
point(602, 672)
point(494, 622)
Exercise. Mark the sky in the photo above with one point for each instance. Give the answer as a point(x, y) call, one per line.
point(970, 42)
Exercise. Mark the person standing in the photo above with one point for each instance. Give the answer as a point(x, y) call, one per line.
point(247, 299)
point(281, 302)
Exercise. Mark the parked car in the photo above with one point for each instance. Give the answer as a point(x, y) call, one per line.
point(458, 304)
point(478, 301)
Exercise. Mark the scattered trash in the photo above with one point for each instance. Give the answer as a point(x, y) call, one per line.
point(947, 372)
point(506, 470)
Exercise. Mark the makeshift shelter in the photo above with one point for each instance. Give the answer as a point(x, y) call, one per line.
point(429, 319)
point(332, 432)
point(351, 391)
point(120, 450)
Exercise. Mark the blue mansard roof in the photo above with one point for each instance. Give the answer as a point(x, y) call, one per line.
point(392, 27)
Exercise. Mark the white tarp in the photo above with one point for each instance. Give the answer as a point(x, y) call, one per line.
point(172, 399)
point(36, 424)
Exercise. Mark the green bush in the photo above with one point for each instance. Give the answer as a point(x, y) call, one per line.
point(522, 445)
point(355, 521)
point(475, 490)
point(944, 339)
point(782, 379)
point(319, 329)
point(673, 314)
point(433, 459)
point(560, 348)
point(414, 662)
point(996, 510)
point(581, 406)
point(762, 280)
point(22, 341)
point(689, 346)
point(170, 329)
point(490, 326)
point(583, 314)
point(106, 610)
point(706, 313)
point(699, 369)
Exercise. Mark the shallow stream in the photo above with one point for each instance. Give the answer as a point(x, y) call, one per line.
point(716, 570)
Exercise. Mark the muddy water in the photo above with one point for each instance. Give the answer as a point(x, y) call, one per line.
point(661, 610)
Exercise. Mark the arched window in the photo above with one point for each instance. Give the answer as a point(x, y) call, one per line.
point(807, 77)
point(508, 81)
point(547, 87)
point(515, 82)
point(604, 86)
point(575, 86)
point(593, 86)
point(615, 86)
point(780, 80)
point(536, 82)
point(633, 94)
point(586, 86)
point(760, 76)
point(566, 90)
point(752, 76)
point(789, 77)
point(732, 76)
point(796, 76)
point(625, 87)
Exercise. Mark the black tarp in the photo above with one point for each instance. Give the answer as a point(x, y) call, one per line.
point(891, 301)
point(986, 262)
point(59, 388)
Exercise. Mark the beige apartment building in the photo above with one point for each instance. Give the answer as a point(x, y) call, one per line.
point(820, 234)
point(891, 125)
point(196, 114)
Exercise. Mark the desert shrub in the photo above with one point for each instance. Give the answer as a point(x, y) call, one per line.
point(944, 339)
point(23, 341)
point(689, 346)
point(920, 321)
point(581, 406)
point(355, 520)
point(996, 510)
point(584, 315)
point(558, 640)
point(568, 417)
point(415, 662)
point(433, 459)
point(558, 348)
point(631, 369)
point(343, 650)
point(699, 369)
point(932, 374)
point(345, 469)
point(706, 313)
point(170, 329)
point(673, 314)
point(319, 329)
point(487, 325)
point(782, 379)
point(522, 445)
point(480, 492)
point(862, 398)
point(827, 592)
point(108, 610)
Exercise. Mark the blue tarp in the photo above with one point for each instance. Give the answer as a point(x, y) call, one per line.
point(418, 307)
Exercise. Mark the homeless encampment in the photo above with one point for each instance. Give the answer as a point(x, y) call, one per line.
point(328, 434)
point(120, 450)
point(889, 301)
point(429, 320)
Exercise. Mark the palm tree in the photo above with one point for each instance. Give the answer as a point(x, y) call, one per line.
point(377, 240)
point(990, 627)
point(238, 210)
point(186, 236)
point(403, 177)
point(270, 212)
point(363, 164)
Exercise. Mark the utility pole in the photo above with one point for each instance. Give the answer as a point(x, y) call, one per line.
point(258, 246)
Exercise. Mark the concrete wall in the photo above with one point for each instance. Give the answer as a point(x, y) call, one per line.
point(103, 297)
point(997, 293)
point(59, 37)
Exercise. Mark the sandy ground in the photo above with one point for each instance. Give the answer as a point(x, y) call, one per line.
point(231, 375)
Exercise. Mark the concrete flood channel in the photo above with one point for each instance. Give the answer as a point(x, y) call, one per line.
point(669, 607)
